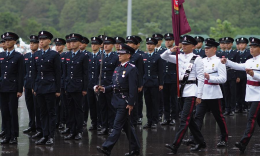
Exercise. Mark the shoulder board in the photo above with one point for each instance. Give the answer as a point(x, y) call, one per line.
point(131, 64)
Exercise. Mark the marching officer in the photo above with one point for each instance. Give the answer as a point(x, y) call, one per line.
point(198, 50)
point(124, 87)
point(46, 85)
point(171, 109)
point(191, 68)
point(76, 83)
point(30, 99)
point(230, 85)
point(94, 110)
point(215, 74)
point(137, 60)
point(119, 41)
point(244, 55)
point(152, 82)
point(140, 90)
point(252, 68)
point(64, 100)
point(12, 73)
point(110, 62)
point(60, 118)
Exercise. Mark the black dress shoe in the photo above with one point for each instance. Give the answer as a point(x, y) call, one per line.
point(146, 126)
point(5, 141)
point(103, 150)
point(50, 141)
point(197, 147)
point(188, 142)
point(139, 122)
point(222, 144)
point(173, 148)
point(103, 131)
point(61, 126)
point(154, 126)
point(28, 130)
point(240, 146)
point(65, 131)
point(172, 123)
point(37, 135)
point(133, 153)
point(2, 134)
point(13, 141)
point(99, 128)
point(84, 123)
point(232, 113)
point(42, 141)
point(160, 118)
point(92, 128)
point(238, 111)
point(165, 122)
point(78, 136)
point(69, 137)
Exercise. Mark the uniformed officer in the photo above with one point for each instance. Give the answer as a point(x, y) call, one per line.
point(230, 85)
point(4, 48)
point(152, 82)
point(85, 104)
point(198, 50)
point(237, 45)
point(222, 50)
point(244, 55)
point(124, 87)
point(140, 89)
point(60, 119)
point(158, 48)
point(95, 112)
point(215, 74)
point(252, 68)
point(171, 109)
point(119, 41)
point(137, 60)
point(46, 85)
point(30, 99)
point(12, 72)
point(110, 62)
point(102, 37)
point(76, 83)
point(190, 69)
point(64, 100)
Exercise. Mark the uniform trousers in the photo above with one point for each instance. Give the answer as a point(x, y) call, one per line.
point(151, 96)
point(93, 106)
point(241, 92)
point(230, 95)
point(171, 107)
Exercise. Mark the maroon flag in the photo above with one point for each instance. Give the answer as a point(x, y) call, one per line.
point(180, 26)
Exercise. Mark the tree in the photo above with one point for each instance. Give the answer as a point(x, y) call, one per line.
point(222, 29)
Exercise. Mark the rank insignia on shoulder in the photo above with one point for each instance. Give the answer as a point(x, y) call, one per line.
point(132, 64)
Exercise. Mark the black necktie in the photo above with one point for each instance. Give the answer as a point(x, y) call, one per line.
point(106, 55)
point(73, 55)
point(150, 55)
point(8, 54)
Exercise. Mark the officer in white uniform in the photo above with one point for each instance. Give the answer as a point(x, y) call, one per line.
point(252, 69)
point(190, 69)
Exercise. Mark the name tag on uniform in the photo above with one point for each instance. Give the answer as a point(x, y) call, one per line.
point(68, 59)
point(100, 60)
point(89, 60)
point(36, 58)
point(2, 58)
point(62, 58)
point(26, 59)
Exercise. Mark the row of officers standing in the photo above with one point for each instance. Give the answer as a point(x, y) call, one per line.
point(59, 86)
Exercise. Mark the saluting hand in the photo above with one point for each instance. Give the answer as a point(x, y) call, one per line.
point(130, 108)
point(19, 94)
point(223, 60)
point(174, 49)
point(250, 72)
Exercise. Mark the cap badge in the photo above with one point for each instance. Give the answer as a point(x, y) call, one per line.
point(94, 38)
point(129, 37)
point(117, 38)
point(253, 40)
point(72, 35)
point(106, 38)
point(149, 39)
point(57, 40)
point(7, 34)
point(42, 32)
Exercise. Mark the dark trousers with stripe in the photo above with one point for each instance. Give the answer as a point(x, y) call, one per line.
point(253, 118)
point(134, 114)
point(122, 121)
point(187, 121)
point(140, 104)
point(30, 107)
point(161, 103)
point(93, 106)
point(215, 106)
point(65, 118)
point(241, 92)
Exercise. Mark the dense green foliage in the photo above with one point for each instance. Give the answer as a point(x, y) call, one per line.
point(92, 17)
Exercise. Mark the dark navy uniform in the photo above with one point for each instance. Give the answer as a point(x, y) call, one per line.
point(12, 68)
point(153, 78)
point(47, 82)
point(107, 110)
point(241, 86)
point(230, 85)
point(219, 53)
point(200, 52)
point(30, 99)
point(124, 87)
point(76, 81)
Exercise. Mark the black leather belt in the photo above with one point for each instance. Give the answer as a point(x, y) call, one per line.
point(120, 90)
point(190, 82)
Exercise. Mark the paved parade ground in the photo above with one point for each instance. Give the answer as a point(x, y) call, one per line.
point(152, 141)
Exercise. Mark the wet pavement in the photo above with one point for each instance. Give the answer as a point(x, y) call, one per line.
point(152, 141)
